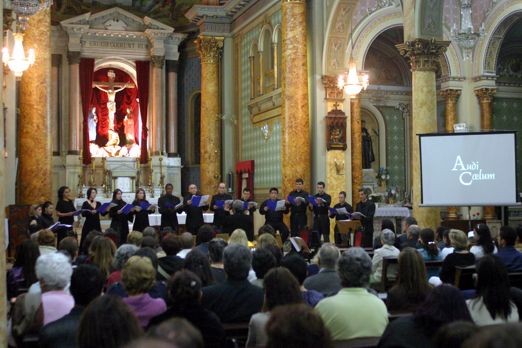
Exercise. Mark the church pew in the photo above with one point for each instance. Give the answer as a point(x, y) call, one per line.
point(387, 282)
point(464, 277)
point(237, 332)
point(365, 342)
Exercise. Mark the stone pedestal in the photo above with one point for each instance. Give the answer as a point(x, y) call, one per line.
point(34, 129)
point(423, 56)
point(451, 97)
point(295, 127)
point(485, 97)
point(356, 148)
point(210, 51)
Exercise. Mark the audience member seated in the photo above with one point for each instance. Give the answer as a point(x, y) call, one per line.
point(138, 277)
point(386, 224)
point(178, 332)
point(101, 254)
point(135, 238)
point(84, 250)
point(298, 267)
point(22, 274)
point(69, 246)
point(507, 253)
point(412, 286)
point(281, 288)
point(262, 262)
point(266, 229)
point(429, 250)
point(153, 233)
point(453, 335)
point(199, 264)
point(123, 253)
point(354, 301)
point(238, 236)
point(297, 326)
point(461, 257)
point(408, 239)
point(185, 295)
point(445, 247)
point(215, 255)
point(238, 220)
point(441, 237)
point(505, 336)
point(387, 250)
point(36, 309)
point(443, 305)
point(35, 214)
point(234, 300)
point(171, 263)
point(107, 323)
point(86, 285)
point(205, 235)
point(518, 244)
point(266, 239)
point(187, 243)
point(492, 303)
point(327, 281)
point(484, 244)
point(46, 242)
point(276, 251)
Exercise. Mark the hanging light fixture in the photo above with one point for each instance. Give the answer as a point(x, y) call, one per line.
point(351, 82)
point(17, 61)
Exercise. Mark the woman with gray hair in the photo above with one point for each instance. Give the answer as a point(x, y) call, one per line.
point(123, 253)
point(354, 301)
point(387, 250)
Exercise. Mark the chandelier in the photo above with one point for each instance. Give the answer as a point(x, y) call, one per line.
point(351, 82)
point(26, 8)
point(17, 61)
point(466, 38)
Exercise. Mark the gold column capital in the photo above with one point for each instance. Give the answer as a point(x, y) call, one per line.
point(451, 95)
point(157, 61)
point(333, 92)
point(209, 48)
point(485, 95)
point(74, 57)
point(423, 54)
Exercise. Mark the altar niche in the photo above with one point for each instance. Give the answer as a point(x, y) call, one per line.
point(114, 118)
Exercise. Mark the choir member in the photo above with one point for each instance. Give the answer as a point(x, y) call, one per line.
point(321, 211)
point(92, 218)
point(119, 220)
point(246, 196)
point(140, 215)
point(275, 218)
point(34, 218)
point(219, 211)
point(342, 204)
point(194, 214)
point(367, 208)
point(65, 210)
point(46, 219)
point(298, 210)
point(167, 207)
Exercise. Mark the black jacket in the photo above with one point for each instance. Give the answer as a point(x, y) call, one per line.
point(239, 220)
point(170, 265)
point(63, 332)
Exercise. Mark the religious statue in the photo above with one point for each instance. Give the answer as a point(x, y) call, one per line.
point(111, 88)
point(367, 148)
point(92, 121)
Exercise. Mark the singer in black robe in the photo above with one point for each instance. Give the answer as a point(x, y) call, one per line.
point(219, 213)
point(167, 208)
point(298, 218)
point(321, 212)
point(92, 219)
point(119, 220)
point(367, 208)
point(275, 218)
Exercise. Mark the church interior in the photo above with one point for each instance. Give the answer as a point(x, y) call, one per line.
point(220, 96)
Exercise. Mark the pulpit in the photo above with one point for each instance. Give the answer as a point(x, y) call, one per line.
point(350, 231)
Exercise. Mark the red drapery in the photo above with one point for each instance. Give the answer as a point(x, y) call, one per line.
point(125, 102)
point(142, 76)
point(86, 75)
point(245, 167)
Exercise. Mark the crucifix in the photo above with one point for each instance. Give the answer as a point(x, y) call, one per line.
point(111, 88)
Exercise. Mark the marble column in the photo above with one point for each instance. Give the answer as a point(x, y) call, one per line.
point(75, 132)
point(55, 102)
point(295, 124)
point(485, 97)
point(210, 161)
point(34, 179)
point(423, 56)
point(172, 108)
point(356, 147)
point(451, 96)
point(158, 127)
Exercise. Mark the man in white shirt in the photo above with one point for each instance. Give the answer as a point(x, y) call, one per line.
point(387, 250)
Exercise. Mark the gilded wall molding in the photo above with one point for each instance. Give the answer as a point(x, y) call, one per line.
point(209, 48)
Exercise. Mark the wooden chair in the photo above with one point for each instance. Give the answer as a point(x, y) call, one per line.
point(394, 316)
point(364, 342)
point(431, 265)
point(464, 277)
point(515, 279)
point(237, 332)
point(387, 282)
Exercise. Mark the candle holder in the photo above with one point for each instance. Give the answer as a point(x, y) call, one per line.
point(162, 176)
point(92, 181)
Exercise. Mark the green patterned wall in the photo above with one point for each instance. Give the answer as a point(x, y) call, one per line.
point(507, 115)
point(266, 154)
point(395, 145)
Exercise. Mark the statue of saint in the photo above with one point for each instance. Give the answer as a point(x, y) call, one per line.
point(367, 148)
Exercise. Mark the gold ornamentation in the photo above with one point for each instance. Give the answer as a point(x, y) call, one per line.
point(451, 95)
point(209, 48)
point(332, 90)
point(423, 54)
point(158, 61)
point(485, 95)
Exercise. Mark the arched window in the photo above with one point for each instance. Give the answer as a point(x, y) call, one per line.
point(266, 82)
point(254, 71)
point(276, 47)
